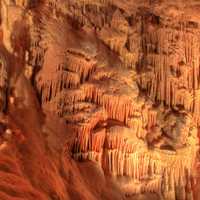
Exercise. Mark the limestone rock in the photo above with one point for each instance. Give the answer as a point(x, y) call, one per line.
point(99, 91)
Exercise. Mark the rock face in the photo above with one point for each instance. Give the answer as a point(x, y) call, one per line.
point(109, 90)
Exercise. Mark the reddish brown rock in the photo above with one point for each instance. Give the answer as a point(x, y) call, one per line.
point(99, 99)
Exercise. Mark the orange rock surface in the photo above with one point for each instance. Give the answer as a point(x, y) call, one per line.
point(99, 100)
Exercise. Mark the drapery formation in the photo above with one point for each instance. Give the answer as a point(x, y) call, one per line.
point(128, 86)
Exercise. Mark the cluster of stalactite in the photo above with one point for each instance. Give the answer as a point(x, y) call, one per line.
point(119, 37)
point(115, 40)
point(170, 174)
point(113, 123)
point(88, 133)
point(95, 14)
point(120, 152)
point(112, 27)
point(80, 65)
point(137, 118)
point(88, 144)
point(68, 75)
point(169, 69)
point(118, 107)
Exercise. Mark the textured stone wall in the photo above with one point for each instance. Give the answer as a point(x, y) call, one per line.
point(125, 78)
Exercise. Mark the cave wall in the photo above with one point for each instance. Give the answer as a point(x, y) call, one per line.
point(122, 75)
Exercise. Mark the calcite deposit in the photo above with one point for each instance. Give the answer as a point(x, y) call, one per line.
point(99, 99)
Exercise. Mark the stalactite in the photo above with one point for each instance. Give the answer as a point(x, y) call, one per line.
point(152, 115)
point(114, 39)
point(122, 128)
point(80, 66)
point(56, 83)
point(118, 108)
point(170, 77)
point(142, 163)
point(89, 145)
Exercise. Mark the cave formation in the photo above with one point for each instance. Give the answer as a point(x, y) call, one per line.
point(99, 99)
